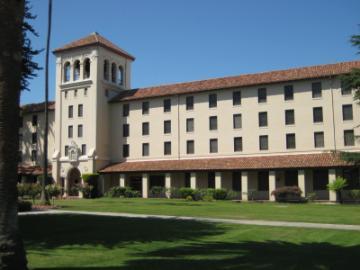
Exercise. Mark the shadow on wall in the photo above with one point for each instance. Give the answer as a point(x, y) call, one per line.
point(196, 253)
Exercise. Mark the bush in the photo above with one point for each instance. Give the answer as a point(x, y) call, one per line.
point(189, 198)
point(86, 191)
point(53, 191)
point(287, 194)
point(49, 180)
point(355, 194)
point(116, 192)
point(174, 192)
point(208, 198)
point(24, 206)
point(220, 194)
point(92, 180)
point(185, 192)
point(233, 195)
point(157, 192)
point(311, 196)
point(338, 185)
point(34, 191)
point(129, 193)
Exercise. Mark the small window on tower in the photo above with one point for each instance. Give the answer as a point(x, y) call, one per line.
point(87, 68)
point(76, 70)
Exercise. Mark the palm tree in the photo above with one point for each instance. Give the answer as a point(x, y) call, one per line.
point(12, 254)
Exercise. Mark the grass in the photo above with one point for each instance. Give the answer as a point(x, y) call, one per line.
point(84, 242)
point(318, 213)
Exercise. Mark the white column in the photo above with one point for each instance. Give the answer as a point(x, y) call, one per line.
point(168, 184)
point(244, 186)
point(122, 180)
point(66, 187)
point(218, 180)
point(332, 177)
point(193, 181)
point(272, 184)
point(301, 182)
point(81, 194)
point(145, 185)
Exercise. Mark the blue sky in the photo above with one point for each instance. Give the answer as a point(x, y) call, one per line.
point(177, 41)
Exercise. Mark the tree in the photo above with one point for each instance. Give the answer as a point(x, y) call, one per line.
point(12, 254)
point(351, 81)
point(338, 185)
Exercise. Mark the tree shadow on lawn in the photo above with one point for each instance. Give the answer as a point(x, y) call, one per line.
point(52, 231)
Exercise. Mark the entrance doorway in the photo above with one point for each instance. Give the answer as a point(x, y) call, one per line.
point(73, 181)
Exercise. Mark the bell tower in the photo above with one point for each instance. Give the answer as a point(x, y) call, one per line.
point(89, 72)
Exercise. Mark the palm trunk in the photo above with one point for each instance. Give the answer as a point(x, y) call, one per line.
point(12, 254)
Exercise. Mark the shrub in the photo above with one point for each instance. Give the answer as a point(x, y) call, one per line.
point(24, 206)
point(338, 185)
point(355, 194)
point(208, 198)
point(197, 196)
point(185, 192)
point(233, 195)
point(53, 191)
point(86, 191)
point(220, 194)
point(129, 193)
point(174, 192)
point(34, 191)
point(207, 192)
point(311, 196)
point(189, 198)
point(92, 179)
point(116, 192)
point(157, 192)
point(287, 194)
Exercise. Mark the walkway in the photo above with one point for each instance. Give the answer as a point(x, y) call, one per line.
point(214, 220)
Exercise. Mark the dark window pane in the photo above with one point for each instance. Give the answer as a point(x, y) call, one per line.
point(288, 92)
point(190, 148)
point(213, 145)
point(126, 110)
point(317, 114)
point(211, 179)
point(83, 149)
point(291, 178)
point(347, 112)
point(66, 150)
point(190, 125)
point(345, 90)
point(262, 95)
point(34, 138)
point(80, 131)
point(167, 105)
point(145, 107)
point(238, 144)
point(263, 142)
point(145, 149)
point(187, 179)
point(167, 148)
point(319, 139)
point(289, 117)
point(212, 100)
point(126, 130)
point(34, 120)
point(316, 90)
point(70, 111)
point(290, 141)
point(236, 181)
point(263, 119)
point(349, 139)
point(167, 126)
point(320, 179)
point(236, 98)
point(80, 110)
point(237, 122)
point(213, 122)
point(145, 128)
point(125, 150)
point(263, 181)
point(189, 103)
point(70, 131)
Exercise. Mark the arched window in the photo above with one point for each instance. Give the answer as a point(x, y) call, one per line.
point(76, 70)
point(120, 76)
point(67, 73)
point(113, 72)
point(106, 70)
point(86, 68)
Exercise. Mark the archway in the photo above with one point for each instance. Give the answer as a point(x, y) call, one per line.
point(73, 181)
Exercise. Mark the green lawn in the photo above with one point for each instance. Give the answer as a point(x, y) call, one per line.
point(85, 242)
point(319, 213)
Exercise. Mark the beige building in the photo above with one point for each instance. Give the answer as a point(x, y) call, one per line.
point(248, 133)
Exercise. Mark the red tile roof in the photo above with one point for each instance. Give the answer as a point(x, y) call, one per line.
point(324, 160)
point(37, 107)
point(95, 39)
point(312, 72)
point(32, 170)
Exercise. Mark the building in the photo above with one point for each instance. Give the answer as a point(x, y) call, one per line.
point(250, 133)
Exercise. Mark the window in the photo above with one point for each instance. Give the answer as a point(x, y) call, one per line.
point(106, 70)
point(125, 150)
point(167, 105)
point(189, 124)
point(34, 120)
point(236, 98)
point(33, 155)
point(316, 90)
point(145, 107)
point(289, 117)
point(80, 110)
point(319, 139)
point(213, 122)
point(189, 103)
point(85, 92)
point(87, 68)
point(76, 70)
point(187, 179)
point(317, 115)
point(120, 76)
point(349, 137)
point(113, 72)
point(167, 126)
point(145, 128)
point(67, 72)
point(70, 131)
point(322, 177)
point(345, 90)
point(213, 145)
point(237, 121)
point(126, 130)
point(145, 149)
point(211, 179)
point(75, 93)
point(236, 181)
point(347, 112)
point(126, 110)
point(65, 94)
point(263, 119)
point(263, 142)
point(262, 95)
point(288, 92)
point(290, 141)
point(238, 144)
point(190, 148)
point(66, 150)
point(80, 131)
point(263, 180)
point(212, 101)
point(83, 149)
point(167, 148)
point(34, 137)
